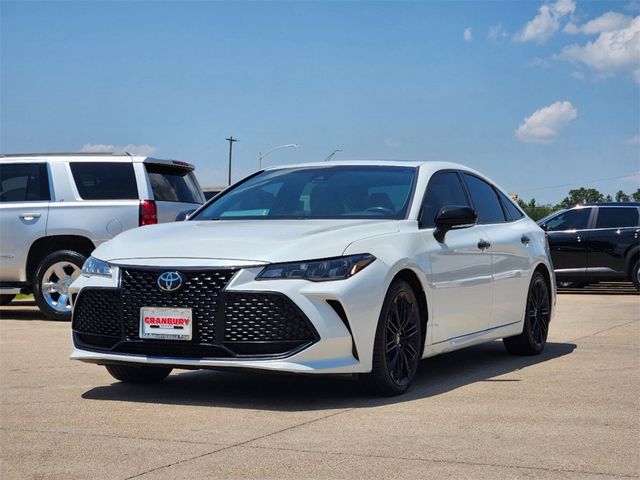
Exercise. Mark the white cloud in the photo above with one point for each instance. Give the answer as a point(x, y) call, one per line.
point(613, 51)
point(467, 34)
point(144, 150)
point(607, 22)
point(547, 22)
point(635, 140)
point(578, 74)
point(544, 124)
point(497, 33)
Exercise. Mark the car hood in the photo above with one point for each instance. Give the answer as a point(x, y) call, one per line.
point(264, 241)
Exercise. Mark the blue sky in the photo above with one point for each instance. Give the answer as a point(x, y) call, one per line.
point(379, 80)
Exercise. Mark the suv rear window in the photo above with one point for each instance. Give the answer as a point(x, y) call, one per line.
point(105, 180)
point(171, 184)
point(24, 182)
point(617, 217)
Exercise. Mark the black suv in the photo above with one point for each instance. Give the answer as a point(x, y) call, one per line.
point(595, 243)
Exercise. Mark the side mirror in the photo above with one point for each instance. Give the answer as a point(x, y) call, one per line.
point(183, 215)
point(452, 217)
point(544, 227)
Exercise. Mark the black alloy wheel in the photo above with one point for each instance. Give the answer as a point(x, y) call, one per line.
point(536, 323)
point(396, 352)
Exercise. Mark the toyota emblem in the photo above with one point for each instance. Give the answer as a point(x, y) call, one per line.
point(170, 281)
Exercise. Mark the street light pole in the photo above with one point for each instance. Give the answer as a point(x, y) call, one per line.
point(330, 156)
point(261, 156)
point(230, 140)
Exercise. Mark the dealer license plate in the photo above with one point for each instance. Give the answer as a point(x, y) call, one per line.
point(165, 323)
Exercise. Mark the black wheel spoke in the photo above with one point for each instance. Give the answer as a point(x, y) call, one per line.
point(410, 351)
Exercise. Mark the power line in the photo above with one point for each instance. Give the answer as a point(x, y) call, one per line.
point(581, 182)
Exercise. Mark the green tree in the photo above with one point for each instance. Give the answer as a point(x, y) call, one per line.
point(581, 195)
point(636, 195)
point(622, 197)
point(534, 211)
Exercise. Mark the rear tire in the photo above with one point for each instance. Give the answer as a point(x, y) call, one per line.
point(635, 274)
point(6, 299)
point(396, 349)
point(143, 374)
point(536, 322)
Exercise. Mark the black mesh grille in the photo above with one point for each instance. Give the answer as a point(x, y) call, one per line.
point(97, 312)
point(246, 323)
point(200, 292)
point(263, 317)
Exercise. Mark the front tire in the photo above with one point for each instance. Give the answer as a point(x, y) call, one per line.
point(51, 283)
point(142, 374)
point(536, 322)
point(396, 349)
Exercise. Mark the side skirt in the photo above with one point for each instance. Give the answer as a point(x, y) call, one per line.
point(475, 338)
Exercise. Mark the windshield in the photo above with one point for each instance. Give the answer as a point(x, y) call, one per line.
point(336, 192)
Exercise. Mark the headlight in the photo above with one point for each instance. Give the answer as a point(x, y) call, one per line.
point(93, 266)
point(337, 268)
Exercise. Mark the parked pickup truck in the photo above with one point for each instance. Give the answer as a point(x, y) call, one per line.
point(55, 209)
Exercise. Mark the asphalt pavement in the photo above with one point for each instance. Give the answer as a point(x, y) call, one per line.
point(571, 413)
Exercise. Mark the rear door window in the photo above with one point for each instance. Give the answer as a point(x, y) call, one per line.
point(171, 184)
point(485, 200)
point(513, 212)
point(444, 189)
point(617, 217)
point(576, 219)
point(24, 182)
point(105, 180)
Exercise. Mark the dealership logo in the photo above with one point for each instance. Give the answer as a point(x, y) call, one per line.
point(170, 281)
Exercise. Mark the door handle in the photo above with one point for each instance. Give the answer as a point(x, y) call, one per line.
point(30, 216)
point(525, 240)
point(483, 244)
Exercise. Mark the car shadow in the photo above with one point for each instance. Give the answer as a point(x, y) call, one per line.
point(21, 310)
point(284, 392)
point(608, 288)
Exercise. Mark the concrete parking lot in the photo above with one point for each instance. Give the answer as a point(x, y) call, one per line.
point(573, 412)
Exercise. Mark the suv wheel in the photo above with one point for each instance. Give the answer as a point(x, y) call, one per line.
point(396, 349)
point(51, 283)
point(635, 274)
point(143, 374)
point(6, 299)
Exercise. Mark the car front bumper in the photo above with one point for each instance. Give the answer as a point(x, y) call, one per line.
point(341, 345)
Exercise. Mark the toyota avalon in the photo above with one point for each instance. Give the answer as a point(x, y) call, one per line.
point(362, 268)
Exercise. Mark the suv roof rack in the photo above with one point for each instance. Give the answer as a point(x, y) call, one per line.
point(612, 204)
point(66, 154)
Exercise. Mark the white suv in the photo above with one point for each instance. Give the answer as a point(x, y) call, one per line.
point(55, 209)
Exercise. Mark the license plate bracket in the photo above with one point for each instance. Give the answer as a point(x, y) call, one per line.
point(161, 323)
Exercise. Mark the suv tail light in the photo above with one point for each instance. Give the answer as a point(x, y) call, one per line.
point(148, 213)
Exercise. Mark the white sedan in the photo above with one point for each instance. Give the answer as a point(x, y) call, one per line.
point(329, 268)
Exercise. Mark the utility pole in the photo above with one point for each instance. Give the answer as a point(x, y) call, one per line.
point(230, 140)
